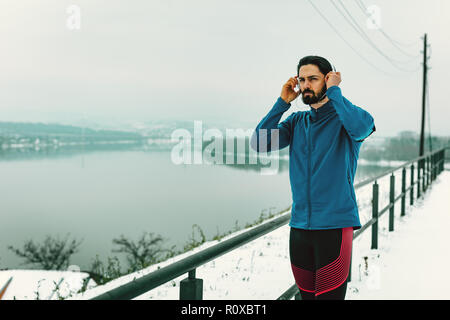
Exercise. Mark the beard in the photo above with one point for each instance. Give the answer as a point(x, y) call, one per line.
point(313, 97)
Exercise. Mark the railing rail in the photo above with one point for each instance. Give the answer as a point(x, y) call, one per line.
point(431, 164)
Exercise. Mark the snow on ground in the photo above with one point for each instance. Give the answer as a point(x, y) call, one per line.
point(411, 262)
point(40, 284)
point(407, 264)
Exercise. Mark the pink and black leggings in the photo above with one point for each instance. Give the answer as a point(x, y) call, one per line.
point(320, 261)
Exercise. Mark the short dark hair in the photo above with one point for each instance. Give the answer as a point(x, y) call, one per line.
point(322, 63)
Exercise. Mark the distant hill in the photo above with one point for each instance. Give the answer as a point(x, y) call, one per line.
point(41, 130)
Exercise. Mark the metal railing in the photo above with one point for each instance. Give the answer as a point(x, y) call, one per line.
point(191, 288)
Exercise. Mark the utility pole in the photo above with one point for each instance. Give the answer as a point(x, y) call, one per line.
point(422, 130)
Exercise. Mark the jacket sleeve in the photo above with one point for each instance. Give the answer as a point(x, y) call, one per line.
point(358, 123)
point(269, 128)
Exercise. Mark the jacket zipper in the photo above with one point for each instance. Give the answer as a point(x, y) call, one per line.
point(308, 194)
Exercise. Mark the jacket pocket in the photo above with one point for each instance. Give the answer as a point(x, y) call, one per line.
point(350, 188)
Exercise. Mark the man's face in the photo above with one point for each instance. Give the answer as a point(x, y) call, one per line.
point(312, 83)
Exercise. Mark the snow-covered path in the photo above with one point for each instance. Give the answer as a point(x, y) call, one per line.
point(412, 261)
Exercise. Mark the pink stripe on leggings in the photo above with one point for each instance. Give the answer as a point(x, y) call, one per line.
point(303, 278)
point(334, 274)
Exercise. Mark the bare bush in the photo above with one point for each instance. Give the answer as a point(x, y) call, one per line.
point(52, 254)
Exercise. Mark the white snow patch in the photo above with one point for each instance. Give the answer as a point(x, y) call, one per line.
point(41, 284)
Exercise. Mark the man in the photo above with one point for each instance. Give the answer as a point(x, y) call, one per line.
point(324, 145)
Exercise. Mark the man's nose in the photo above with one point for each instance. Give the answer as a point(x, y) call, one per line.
point(306, 85)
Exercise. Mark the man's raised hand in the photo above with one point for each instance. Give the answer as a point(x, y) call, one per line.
point(333, 79)
point(288, 92)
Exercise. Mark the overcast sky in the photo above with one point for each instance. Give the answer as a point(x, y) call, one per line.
point(213, 60)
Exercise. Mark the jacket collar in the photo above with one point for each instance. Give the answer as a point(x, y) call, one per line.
point(320, 112)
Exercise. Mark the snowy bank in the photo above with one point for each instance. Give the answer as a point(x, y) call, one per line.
point(41, 284)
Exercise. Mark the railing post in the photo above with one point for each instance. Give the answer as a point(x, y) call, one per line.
point(418, 179)
point(191, 288)
point(432, 168)
point(439, 155)
point(402, 211)
point(375, 216)
point(436, 172)
point(391, 201)
point(435, 157)
point(411, 192)
point(438, 161)
point(442, 158)
point(423, 176)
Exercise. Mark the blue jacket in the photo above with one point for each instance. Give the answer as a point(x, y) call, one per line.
point(324, 146)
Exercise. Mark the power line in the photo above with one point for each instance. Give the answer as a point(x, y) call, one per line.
point(364, 9)
point(346, 42)
point(361, 32)
point(358, 28)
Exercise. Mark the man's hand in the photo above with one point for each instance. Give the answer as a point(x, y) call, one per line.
point(333, 79)
point(288, 93)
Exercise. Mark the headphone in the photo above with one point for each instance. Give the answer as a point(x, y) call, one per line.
point(298, 87)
